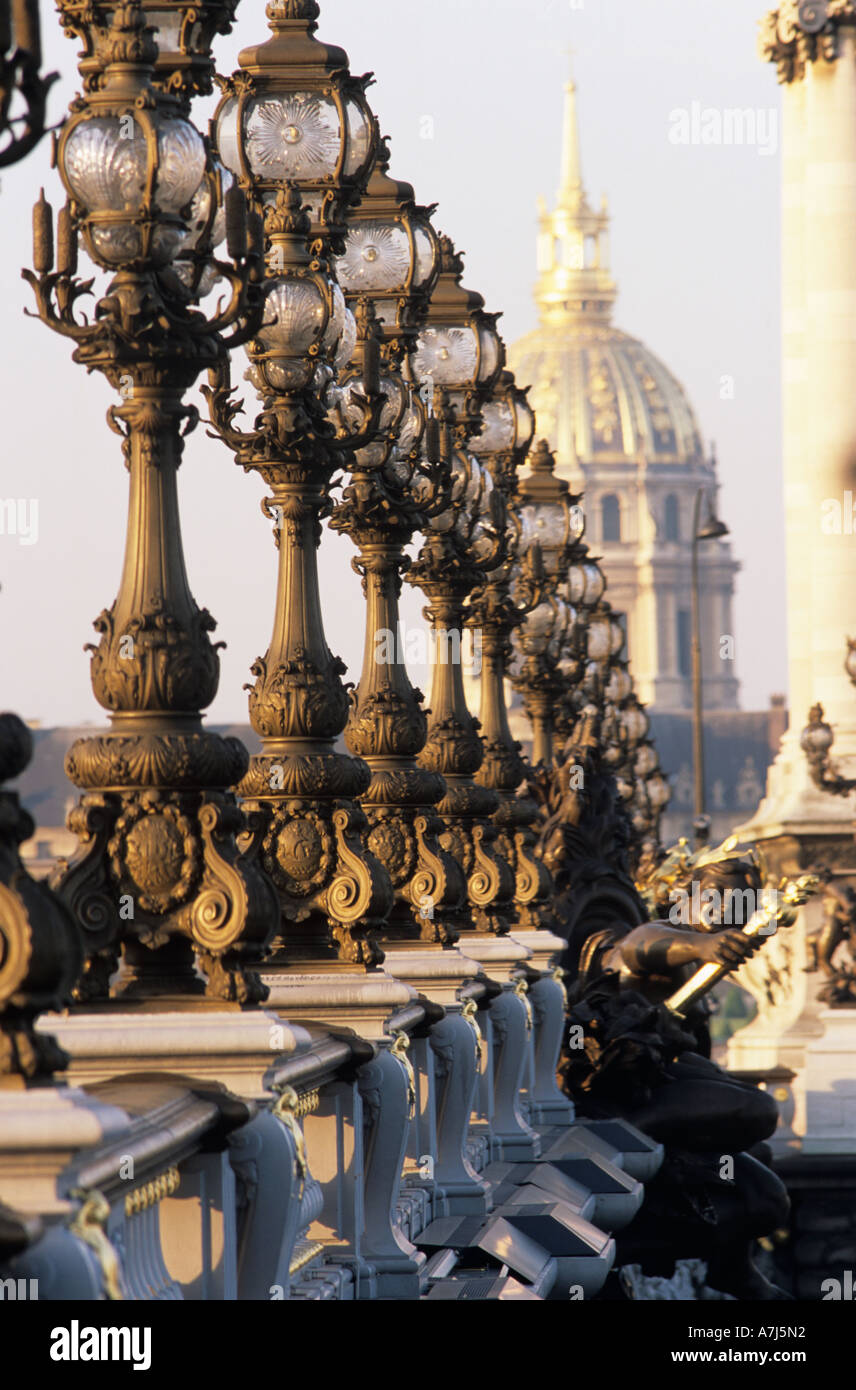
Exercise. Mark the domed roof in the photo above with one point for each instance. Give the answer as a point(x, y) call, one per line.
point(600, 395)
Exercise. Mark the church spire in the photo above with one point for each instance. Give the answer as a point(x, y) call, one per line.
point(571, 192)
point(573, 242)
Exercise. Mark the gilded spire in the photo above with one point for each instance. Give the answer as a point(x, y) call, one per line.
point(573, 241)
point(571, 192)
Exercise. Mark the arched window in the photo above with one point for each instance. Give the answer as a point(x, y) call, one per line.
point(590, 252)
point(610, 518)
point(672, 518)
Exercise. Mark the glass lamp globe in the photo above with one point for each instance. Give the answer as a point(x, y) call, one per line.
point(391, 252)
point(546, 523)
point(347, 408)
point(817, 737)
point(626, 789)
point(296, 318)
point(294, 113)
point(498, 429)
point(381, 256)
point(533, 636)
point(459, 348)
point(645, 760)
point(340, 339)
point(122, 193)
point(598, 640)
point(634, 722)
point(377, 257)
point(595, 584)
point(295, 137)
point(619, 685)
point(617, 635)
point(525, 420)
point(569, 668)
point(576, 583)
point(658, 790)
point(449, 356)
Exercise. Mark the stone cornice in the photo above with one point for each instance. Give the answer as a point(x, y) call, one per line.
point(802, 31)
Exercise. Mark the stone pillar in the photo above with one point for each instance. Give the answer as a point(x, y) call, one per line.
point(797, 825)
point(819, 421)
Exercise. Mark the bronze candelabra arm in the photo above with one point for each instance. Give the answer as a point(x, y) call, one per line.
point(224, 406)
point(57, 290)
point(142, 312)
point(243, 312)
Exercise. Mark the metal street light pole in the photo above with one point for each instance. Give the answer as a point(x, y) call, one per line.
point(714, 529)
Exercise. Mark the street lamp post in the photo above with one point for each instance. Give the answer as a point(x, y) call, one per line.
point(713, 529)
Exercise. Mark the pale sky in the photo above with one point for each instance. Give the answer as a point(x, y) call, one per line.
point(695, 251)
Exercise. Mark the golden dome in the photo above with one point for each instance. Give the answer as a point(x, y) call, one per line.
point(600, 395)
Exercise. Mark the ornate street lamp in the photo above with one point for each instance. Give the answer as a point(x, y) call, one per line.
point(458, 358)
point(391, 255)
point(299, 792)
point(463, 542)
point(459, 349)
point(20, 60)
point(495, 613)
point(549, 516)
point(293, 113)
point(398, 484)
point(158, 871)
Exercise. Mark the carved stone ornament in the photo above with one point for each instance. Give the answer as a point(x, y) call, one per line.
point(803, 31)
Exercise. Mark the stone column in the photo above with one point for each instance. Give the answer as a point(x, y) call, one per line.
point(797, 825)
point(819, 419)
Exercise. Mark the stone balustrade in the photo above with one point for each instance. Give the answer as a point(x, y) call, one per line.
point(324, 1165)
